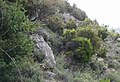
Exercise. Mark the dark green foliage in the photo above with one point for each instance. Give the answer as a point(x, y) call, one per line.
point(71, 24)
point(77, 47)
point(41, 8)
point(83, 49)
point(103, 33)
point(73, 10)
point(15, 43)
point(79, 44)
point(79, 14)
point(39, 56)
point(30, 71)
point(91, 34)
point(55, 23)
point(14, 39)
point(68, 7)
point(65, 7)
point(80, 48)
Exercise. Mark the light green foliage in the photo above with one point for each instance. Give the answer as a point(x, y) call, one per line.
point(87, 22)
point(105, 80)
point(71, 24)
point(55, 23)
point(114, 76)
point(91, 34)
point(69, 35)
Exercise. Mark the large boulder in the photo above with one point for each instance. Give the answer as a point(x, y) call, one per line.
point(43, 46)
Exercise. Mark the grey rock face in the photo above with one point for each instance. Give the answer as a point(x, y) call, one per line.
point(41, 45)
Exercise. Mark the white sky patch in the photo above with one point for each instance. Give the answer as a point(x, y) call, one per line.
point(104, 11)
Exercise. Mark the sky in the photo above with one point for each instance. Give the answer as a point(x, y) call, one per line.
point(104, 11)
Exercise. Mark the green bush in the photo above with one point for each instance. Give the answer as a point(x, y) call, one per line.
point(80, 49)
point(67, 7)
point(15, 43)
point(14, 29)
point(90, 33)
point(26, 71)
point(71, 24)
point(105, 80)
point(41, 8)
point(103, 33)
point(69, 35)
point(55, 23)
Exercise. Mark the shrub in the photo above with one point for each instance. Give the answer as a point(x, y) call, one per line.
point(103, 33)
point(41, 8)
point(69, 35)
point(91, 34)
point(105, 80)
point(87, 22)
point(55, 24)
point(15, 43)
point(14, 29)
point(80, 48)
point(65, 7)
point(71, 24)
point(68, 7)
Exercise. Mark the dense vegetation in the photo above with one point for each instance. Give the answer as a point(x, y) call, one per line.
point(77, 42)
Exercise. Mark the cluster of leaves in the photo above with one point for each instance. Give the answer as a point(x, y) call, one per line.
point(71, 24)
point(65, 7)
point(14, 29)
point(77, 47)
point(55, 23)
point(103, 33)
point(15, 43)
point(91, 34)
point(41, 8)
point(105, 80)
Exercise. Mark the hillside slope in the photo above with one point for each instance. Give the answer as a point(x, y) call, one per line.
point(52, 41)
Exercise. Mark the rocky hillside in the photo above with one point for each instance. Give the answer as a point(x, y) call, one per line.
point(52, 41)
